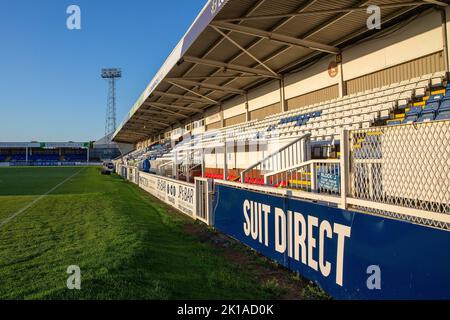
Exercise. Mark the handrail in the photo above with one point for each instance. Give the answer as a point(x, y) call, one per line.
point(304, 137)
point(315, 161)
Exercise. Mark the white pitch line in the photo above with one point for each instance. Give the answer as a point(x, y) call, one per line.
point(28, 206)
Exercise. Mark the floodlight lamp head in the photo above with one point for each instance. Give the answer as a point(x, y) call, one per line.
point(111, 73)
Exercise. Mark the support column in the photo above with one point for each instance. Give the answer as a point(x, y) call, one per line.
point(445, 38)
point(175, 166)
point(203, 163)
point(87, 158)
point(342, 86)
point(222, 117)
point(247, 113)
point(26, 154)
point(345, 168)
point(225, 161)
point(282, 95)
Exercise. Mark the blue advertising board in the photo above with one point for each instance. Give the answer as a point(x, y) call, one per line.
point(351, 255)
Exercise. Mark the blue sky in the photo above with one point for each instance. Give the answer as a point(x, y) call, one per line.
point(50, 85)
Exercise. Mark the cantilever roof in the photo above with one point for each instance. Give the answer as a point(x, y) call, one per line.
point(234, 45)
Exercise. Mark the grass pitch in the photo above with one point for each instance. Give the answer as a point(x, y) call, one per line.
point(125, 242)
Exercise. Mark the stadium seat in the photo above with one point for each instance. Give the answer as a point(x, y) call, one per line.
point(420, 92)
point(414, 111)
point(431, 107)
point(410, 119)
point(436, 82)
point(443, 115)
point(402, 104)
point(445, 105)
point(425, 117)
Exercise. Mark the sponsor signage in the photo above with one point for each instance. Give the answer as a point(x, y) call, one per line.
point(178, 194)
point(329, 182)
point(351, 255)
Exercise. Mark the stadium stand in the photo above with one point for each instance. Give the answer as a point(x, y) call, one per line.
point(361, 125)
point(326, 120)
point(36, 153)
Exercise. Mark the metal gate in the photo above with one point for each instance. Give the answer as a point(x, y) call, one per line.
point(204, 194)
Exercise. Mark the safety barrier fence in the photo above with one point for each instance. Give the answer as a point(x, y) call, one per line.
point(406, 166)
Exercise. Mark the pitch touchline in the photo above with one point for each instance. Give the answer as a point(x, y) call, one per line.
point(28, 206)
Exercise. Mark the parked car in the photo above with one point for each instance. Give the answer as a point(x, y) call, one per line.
point(107, 168)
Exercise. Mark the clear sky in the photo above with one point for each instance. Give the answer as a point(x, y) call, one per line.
point(50, 85)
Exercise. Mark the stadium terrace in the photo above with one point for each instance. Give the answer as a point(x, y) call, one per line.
point(300, 132)
point(54, 153)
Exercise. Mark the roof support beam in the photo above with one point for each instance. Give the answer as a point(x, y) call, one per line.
point(255, 7)
point(277, 37)
point(219, 77)
point(302, 7)
point(129, 134)
point(193, 92)
point(165, 111)
point(436, 2)
point(147, 121)
point(139, 130)
point(179, 96)
point(340, 10)
point(172, 106)
point(226, 36)
point(155, 116)
point(343, 40)
point(219, 64)
point(204, 85)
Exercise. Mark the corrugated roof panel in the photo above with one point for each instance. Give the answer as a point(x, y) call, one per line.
point(300, 25)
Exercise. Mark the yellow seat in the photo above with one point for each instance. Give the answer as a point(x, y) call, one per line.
point(299, 183)
point(442, 91)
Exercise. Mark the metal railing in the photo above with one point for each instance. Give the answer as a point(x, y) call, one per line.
point(405, 165)
point(292, 154)
point(320, 176)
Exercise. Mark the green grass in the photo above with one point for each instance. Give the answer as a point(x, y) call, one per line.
point(125, 242)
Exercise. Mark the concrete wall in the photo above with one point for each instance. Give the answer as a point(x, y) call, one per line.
point(421, 37)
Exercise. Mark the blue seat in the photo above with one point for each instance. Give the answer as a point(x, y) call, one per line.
point(431, 107)
point(410, 119)
point(414, 111)
point(443, 115)
point(394, 123)
point(445, 105)
point(436, 97)
point(427, 117)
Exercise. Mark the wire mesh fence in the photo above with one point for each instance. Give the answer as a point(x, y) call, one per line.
point(405, 165)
